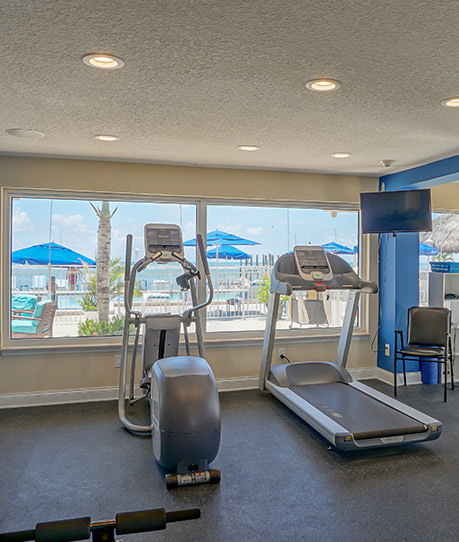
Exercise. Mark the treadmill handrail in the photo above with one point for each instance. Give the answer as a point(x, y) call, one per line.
point(284, 281)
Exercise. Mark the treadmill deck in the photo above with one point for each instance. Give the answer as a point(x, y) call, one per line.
point(362, 415)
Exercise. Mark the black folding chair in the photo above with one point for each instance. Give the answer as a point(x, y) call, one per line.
point(428, 339)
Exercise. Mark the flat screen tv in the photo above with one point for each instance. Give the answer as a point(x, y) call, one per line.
point(394, 212)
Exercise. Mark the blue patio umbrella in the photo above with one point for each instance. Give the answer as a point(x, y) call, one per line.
point(427, 250)
point(50, 254)
point(335, 248)
point(221, 238)
point(228, 252)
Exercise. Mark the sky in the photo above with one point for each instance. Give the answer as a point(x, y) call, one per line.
point(73, 223)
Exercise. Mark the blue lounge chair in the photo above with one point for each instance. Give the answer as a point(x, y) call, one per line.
point(23, 304)
point(40, 324)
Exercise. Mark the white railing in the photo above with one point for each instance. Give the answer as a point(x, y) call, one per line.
point(236, 306)
point(423, 288)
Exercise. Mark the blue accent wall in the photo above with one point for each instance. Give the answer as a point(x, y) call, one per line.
point(399, 258)
point(387, 296)
point(433, 174)
point(399, 290)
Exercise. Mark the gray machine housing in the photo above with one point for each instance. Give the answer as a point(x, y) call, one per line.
point(349, 414)
point(184, 403)
point(185, 413)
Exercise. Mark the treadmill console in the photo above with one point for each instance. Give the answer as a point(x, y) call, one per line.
point(312, 263)
point(164, 238)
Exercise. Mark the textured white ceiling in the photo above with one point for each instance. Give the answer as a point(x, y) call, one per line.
point(203, 76)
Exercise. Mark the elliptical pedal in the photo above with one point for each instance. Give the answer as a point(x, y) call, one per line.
point(212, 476)
point(145, 383)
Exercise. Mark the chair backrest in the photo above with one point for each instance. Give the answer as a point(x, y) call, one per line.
point(428, 326)
point(23, 302)
point(45, 327)
point(39, 307)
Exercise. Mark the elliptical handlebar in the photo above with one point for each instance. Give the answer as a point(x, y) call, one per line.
point(130, 274)
point(205, 265)
point(127, 264)
point(187, 314)
point(127, 271)
point(128, 286)
point(202, 253)
point(161, 252)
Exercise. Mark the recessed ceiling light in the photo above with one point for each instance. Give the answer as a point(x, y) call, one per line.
point(103, 61)
point(451, 102)
point(107, 137)
point(323, 85)
point(386, 163)
point(248, 148)
point(26, 133)
point(341, 154)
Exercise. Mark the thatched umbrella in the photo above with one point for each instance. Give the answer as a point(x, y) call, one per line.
point(444, 234)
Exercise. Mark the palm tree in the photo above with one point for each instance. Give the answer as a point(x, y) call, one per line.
point(116, 274)
point(103, 259)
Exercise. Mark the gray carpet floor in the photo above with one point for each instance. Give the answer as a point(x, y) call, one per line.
point(279, 482)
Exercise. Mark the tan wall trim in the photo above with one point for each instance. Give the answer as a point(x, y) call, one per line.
point(160, 180)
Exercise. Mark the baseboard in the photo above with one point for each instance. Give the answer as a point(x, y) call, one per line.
point(237, 384)
point(41, 398)
point(60, 397)
point(412, 377)
point(365, 373)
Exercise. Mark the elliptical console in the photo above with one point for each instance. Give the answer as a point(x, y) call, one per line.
point(181, 390)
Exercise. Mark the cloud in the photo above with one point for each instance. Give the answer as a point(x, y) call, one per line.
point(74, 222)
point(189, 230)
point(21, 221)
point(257, 230)
point(228, 227)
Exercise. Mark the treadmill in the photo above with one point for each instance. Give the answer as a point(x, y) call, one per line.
point(349, 414)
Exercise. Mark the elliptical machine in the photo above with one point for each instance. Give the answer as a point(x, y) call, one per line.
point(181, 390)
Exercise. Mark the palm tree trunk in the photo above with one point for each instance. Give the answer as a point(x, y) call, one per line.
point(103, 262)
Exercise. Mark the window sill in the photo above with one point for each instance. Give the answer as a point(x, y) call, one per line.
point(293, 339)
point(209, 343)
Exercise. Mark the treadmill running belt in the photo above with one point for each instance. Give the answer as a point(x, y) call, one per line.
point(362, 415)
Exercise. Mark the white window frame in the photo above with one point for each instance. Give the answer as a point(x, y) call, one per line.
point(212, 337)
point(300, 333)
point(85, 343)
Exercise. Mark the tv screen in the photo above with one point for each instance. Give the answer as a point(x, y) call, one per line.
point(394, 212)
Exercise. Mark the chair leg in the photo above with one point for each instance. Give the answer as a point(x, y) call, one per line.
point(404, 369)
point(395, 374)
point(446, 378)
point(451, 361)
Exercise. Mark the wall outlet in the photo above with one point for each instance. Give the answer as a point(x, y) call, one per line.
point(280, 352)
point(117, 361)
point(387, 349)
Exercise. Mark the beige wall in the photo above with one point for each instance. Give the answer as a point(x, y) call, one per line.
point(176, 180)
point(41, 371)
point(445, 197)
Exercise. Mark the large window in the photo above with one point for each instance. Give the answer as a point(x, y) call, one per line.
point(54, 247)
point(437, 249)
point(241, 270)
point(53, 271)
